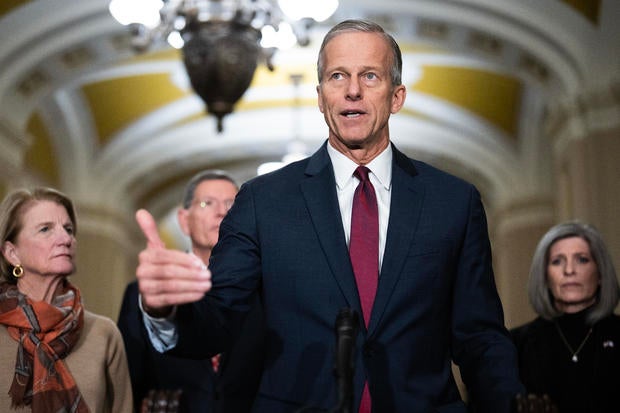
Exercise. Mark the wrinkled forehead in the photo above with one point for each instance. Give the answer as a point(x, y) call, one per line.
point(355, 48)
point(42, 208)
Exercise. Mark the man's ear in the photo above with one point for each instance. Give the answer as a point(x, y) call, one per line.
point(182, 217)
point(320, 100)
point(398, 98)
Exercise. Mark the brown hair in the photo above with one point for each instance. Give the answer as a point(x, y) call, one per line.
point(13, 208)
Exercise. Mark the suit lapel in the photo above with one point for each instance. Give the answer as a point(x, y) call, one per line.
point(405, 207)
point(325, 215)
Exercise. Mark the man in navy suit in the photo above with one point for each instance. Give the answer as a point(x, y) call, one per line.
point(287, 238)
point(231, 387)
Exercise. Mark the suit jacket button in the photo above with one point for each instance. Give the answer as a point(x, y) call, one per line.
point(368, 349)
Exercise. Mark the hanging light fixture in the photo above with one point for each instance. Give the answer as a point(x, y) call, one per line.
point(222, 41)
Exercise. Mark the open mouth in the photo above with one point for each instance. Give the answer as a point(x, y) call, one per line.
point(350, 114)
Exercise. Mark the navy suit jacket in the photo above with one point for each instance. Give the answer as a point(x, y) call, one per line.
point(231, 390)
point(150, 369)
point(436, 299)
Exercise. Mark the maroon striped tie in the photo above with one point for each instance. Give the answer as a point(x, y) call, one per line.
point(364, 251)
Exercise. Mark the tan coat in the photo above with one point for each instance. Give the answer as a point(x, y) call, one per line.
point(98, 364)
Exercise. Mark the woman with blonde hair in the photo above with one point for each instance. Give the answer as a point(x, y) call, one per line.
point(56, 356)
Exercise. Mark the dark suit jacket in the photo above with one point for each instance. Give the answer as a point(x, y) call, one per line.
point(231, 390)
point(241, 365)
point(436, 300)
point(150, 369)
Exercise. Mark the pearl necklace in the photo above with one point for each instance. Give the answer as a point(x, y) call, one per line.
point(574, 358)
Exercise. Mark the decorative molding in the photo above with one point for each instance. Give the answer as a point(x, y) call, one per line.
point(522, 213)
point(583, 116)
point(13, 144)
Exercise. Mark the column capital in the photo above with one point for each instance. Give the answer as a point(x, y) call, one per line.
point(584, 115)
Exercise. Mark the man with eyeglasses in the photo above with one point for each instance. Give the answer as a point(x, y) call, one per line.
point(221, 384)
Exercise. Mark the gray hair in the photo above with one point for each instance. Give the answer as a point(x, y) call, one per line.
point(348, 26)
point(207, 175)
point(538, 290)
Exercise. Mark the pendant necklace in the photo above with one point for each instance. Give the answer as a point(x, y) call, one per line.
point(574, 358)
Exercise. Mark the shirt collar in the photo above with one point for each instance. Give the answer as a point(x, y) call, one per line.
point(344, 167)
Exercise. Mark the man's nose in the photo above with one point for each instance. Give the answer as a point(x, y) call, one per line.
point(354, 90)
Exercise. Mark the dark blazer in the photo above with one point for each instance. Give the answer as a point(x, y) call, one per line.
point(436, 300)
point(150, 369)
point(241, 365)
point(231, 390)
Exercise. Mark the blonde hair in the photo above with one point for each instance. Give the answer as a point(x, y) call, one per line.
point(13, 208)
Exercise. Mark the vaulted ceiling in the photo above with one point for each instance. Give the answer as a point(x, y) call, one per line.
point(80, 110)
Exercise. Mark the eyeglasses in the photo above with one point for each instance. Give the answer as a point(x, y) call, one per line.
point(213, 204)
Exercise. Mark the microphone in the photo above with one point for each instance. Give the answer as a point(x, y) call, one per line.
point(346, 332)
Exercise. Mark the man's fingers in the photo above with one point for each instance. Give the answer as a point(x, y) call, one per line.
point(169, 300)
point(164, 264)
point(164, 294)
point(167, 277)
point(149, 229)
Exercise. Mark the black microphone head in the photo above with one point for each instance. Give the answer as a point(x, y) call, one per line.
point(346, 319)
point(346, 327)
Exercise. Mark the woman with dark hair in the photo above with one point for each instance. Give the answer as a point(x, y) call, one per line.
point(571, 351)
point(56, 356)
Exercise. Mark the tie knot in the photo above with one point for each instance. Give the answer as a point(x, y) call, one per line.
point(361, 173)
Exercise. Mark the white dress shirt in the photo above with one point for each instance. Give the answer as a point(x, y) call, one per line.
point(381, 179)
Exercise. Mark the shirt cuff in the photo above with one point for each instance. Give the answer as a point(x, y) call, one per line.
point(162, 331)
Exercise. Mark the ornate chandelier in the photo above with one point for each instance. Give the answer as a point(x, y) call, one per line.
point(222, 41)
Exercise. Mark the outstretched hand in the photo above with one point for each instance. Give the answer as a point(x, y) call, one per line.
point(147, 224)
point(167, 277)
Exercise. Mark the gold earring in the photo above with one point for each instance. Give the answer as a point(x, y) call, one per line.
point(18, 271)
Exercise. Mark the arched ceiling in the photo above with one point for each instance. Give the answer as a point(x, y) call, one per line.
point(116, 128)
